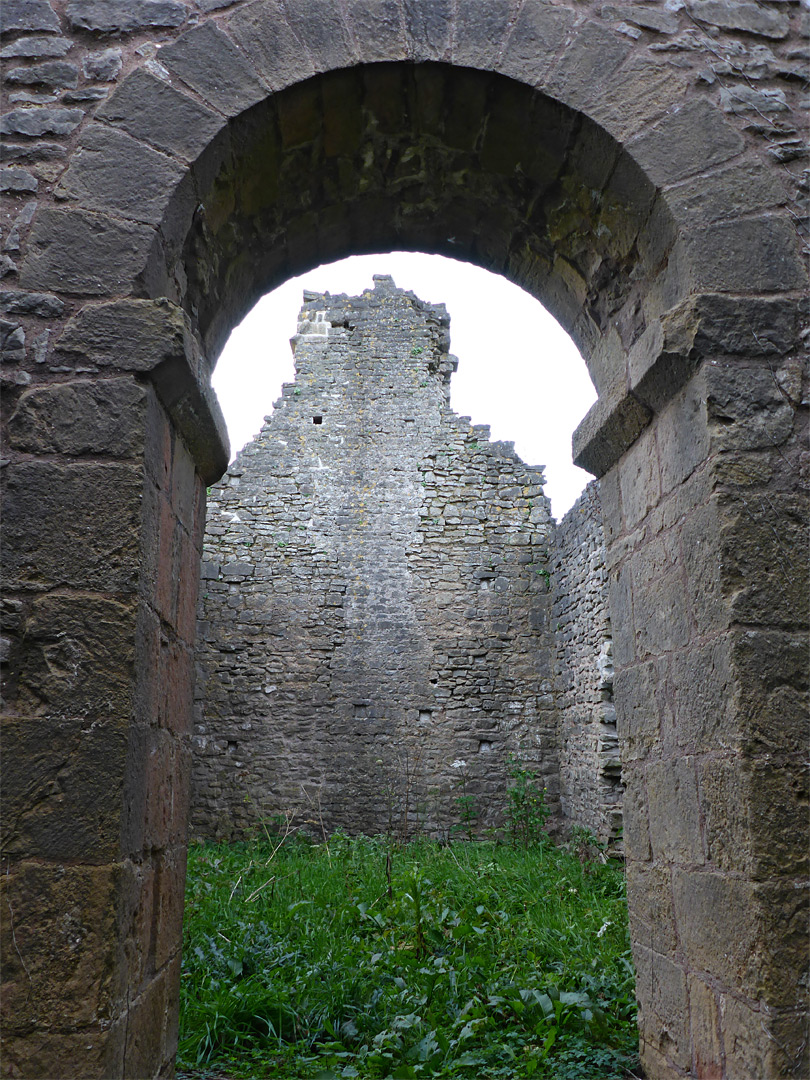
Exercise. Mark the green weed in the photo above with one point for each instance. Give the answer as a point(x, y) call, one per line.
point(481, 960)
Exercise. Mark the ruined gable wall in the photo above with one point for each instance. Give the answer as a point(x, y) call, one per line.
point(590, 768)
point(375, 603)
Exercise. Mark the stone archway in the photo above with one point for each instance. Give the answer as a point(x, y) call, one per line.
point(564, 150)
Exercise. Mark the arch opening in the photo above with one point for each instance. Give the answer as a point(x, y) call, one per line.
point(434, 158)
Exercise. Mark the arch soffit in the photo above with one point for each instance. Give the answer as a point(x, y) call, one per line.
point(173, 123)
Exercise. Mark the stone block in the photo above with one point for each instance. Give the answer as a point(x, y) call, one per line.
point(675, 817)
point(62, 787)
point(169, 896)
point(104, 416)
point(640, 92)
point(759, 1044)
point(664, 1015)
point(36, 46)
point(159, 780)
point(635, 812)
point(320, 25)
point(209, 62)
point(702, 684)
point(652, 915)
point(747, 408)
point(651, 18)
point(135, 335)
point(683, 438)
point(639, 479)
point(480, 32)
point(55, 1053)
point(772, 692)
point(620, 588)
point(611, 426)
point(39, 120)
point(707, 1043)
point(428, 28)
point(30, 15)
point(763, 569)
point(590, 60)
point(262, 32)
point(756, 817)
point(699, 542)
point(660, 600)
point(101, 170)
point(14, 181)
point(739, 189)
point(156, 113)
point(376, 27)
point(103, 66)
point(685, 142)
point(124, 16)
point(719, 927)
point(43, 305)
point(72, 525)
point(57, 74)
point(758, 254)
point(60, 960)
point(82, 252)
point(744, 15)
point(538, 33)
point(636, 693)
point(146, 1029)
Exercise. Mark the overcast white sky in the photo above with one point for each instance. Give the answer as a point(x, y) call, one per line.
point(518, 370)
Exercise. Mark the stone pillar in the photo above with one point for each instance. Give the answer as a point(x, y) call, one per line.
point(708, 594)
point(103, 517)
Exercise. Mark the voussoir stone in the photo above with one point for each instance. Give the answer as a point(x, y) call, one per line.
point(160, 115)
point(28, 15)
point(79, 251)
point(101, 171)
point(265, 37)
point(685, 142)
point(209, 62)
point(124, 16)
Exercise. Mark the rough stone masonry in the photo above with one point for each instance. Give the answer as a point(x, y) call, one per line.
point(375, 636)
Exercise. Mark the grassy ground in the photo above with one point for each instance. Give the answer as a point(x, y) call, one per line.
point(358, 958)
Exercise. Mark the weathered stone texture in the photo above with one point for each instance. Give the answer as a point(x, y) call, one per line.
point(590, 767)
point(375, 594)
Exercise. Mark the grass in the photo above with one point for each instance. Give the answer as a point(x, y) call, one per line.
point(360, 959)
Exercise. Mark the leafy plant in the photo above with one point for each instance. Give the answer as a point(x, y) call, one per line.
point(484, 960)
point(526, 811)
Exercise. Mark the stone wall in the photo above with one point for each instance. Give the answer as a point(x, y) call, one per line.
point(375, 605)
point(590, 767)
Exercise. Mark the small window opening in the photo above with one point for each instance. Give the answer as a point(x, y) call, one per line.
point(425, 716)
point(317, 419)
point(484, 747)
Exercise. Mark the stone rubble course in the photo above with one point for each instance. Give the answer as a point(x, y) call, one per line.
point(640, 167)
